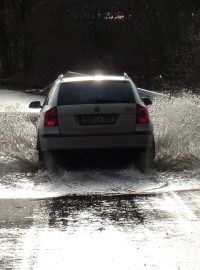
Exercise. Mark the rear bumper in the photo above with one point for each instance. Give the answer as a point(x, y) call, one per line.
point(57, 143)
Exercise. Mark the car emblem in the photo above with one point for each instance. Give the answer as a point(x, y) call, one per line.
point(96, 109)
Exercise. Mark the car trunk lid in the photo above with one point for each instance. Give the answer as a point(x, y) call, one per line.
point(92, 119)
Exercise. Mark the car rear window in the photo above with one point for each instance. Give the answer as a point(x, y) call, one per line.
point(92, 92)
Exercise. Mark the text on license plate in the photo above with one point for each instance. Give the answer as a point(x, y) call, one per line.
point(100, 119)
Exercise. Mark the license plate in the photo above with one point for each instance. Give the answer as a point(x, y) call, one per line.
point(97, 119)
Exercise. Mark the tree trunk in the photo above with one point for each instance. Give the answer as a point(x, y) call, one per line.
point(5, 51)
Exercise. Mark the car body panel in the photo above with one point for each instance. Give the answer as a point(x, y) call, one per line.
point(70, 134)
point(68, 116)
point(131, 141)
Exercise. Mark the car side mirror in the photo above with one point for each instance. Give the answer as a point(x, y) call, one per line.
point(147, 101)
point(35, 105)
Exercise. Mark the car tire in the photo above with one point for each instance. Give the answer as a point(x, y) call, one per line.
point(144, 159)
point(46, 159)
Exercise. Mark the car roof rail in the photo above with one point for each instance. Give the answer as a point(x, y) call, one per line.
point(126, 76)
point(60, 77)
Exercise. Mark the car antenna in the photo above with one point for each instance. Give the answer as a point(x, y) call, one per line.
point(74, 74)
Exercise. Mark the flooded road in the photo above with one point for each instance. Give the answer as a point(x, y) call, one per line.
point(100, 218)
point(119, 232)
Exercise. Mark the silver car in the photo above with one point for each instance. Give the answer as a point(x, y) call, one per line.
point(95, 112)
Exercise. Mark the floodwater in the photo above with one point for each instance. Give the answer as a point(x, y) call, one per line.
point(101, 218)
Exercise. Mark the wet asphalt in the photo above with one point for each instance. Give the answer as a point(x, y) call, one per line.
point(147, 231)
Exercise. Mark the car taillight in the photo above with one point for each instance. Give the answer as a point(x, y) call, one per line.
point(142, 115)
point(51, 118)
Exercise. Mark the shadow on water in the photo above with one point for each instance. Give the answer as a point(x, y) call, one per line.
point(72, 211)
point(95, 212)
point(115, 210)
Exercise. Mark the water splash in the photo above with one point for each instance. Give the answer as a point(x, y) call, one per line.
point(177, 136)
point(177, 133)
point(17, 140)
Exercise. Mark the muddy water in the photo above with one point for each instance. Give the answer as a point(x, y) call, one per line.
point(100, 218)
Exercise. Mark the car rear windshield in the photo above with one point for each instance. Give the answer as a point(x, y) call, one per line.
point(90, 92)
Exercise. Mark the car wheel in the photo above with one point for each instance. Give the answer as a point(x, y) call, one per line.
point(46, 159)
point(144, 159)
